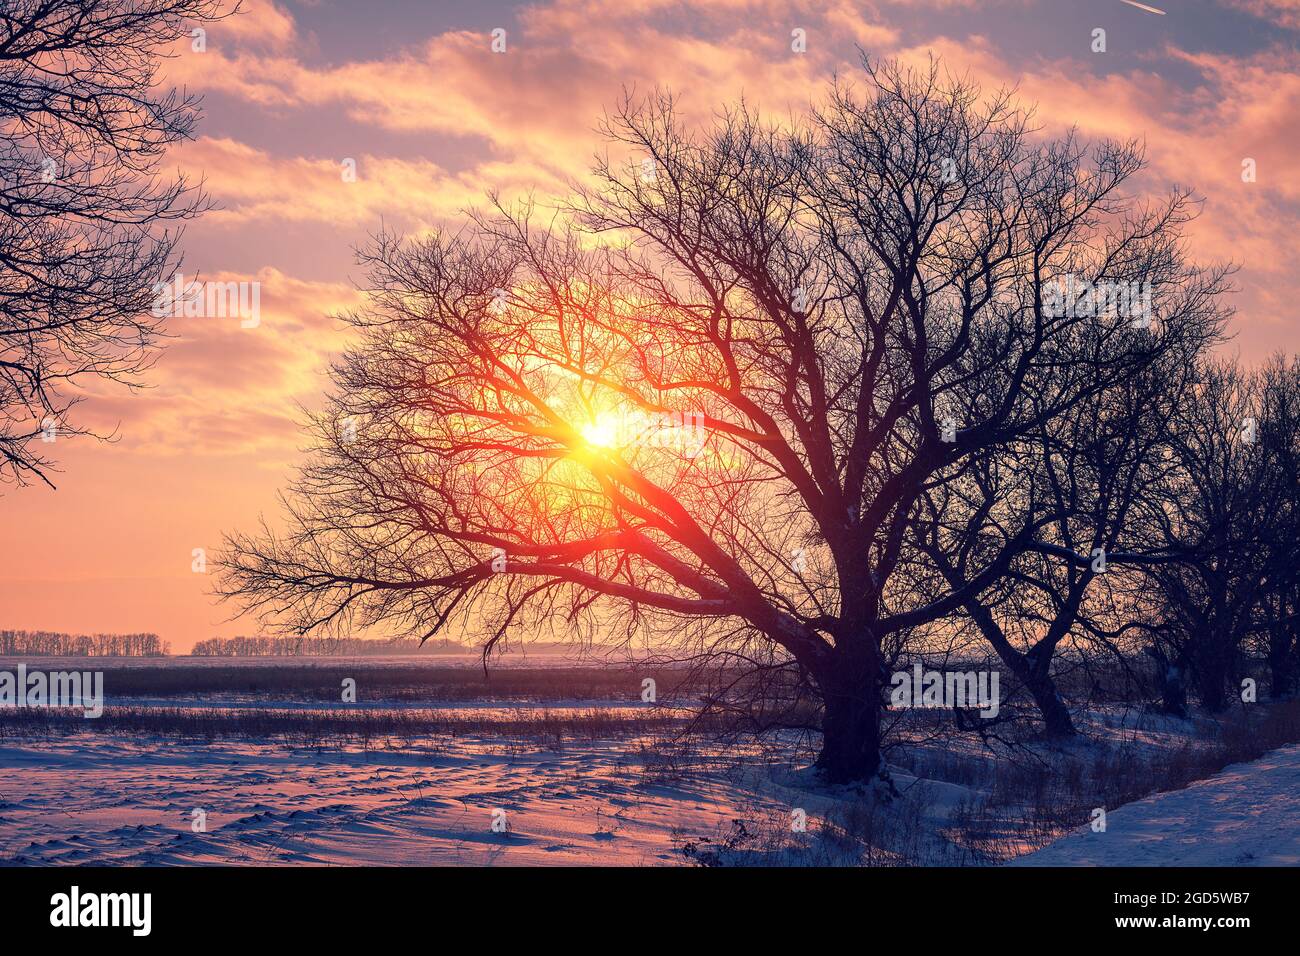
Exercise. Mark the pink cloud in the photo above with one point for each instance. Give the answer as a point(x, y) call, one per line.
point(1285, 13)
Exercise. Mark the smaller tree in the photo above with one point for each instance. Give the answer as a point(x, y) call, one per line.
point(1279, 612)
point(1220, 507)
point(1083, 484)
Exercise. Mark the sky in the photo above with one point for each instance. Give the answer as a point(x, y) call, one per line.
point(433, 119)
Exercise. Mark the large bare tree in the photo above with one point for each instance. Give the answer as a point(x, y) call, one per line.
point(817, 330)
point(86, 225)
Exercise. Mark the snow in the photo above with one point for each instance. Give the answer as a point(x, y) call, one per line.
point(96, 800)
point(1248, 814)
point(92, 799)
point(99, 795)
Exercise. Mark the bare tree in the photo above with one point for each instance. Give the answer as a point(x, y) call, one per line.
point(1280, 447)
point(1086, 482)
point(85, 223)
point(851, 311)
point(1220, 507)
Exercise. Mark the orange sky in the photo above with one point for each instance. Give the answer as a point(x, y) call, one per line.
point(412, 92)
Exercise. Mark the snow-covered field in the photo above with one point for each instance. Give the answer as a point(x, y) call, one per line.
point(231, 778)
point(92, 799)
point(1245, 815)
point(95, 800)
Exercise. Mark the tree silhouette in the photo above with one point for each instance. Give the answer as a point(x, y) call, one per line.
point(1279, 388)
point(84, 220)
point(1090, 480)
point(1229, 512)
point(823, 334)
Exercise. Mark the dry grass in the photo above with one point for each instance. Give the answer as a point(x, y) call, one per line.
point(313, 727)
point(376, 680)
point(1018, 801)
point(1031, 804)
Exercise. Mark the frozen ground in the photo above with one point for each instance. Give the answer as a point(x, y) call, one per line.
point(1245, 815)
point(95, 800)
point(566, 772)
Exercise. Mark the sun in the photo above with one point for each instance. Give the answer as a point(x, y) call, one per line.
point(601, 433)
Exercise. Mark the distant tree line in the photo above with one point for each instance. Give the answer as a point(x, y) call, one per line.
point(265, 646)
point(57, 644)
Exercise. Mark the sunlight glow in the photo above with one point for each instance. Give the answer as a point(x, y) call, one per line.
point(600, 433)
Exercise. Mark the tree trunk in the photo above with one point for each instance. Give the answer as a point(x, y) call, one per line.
point(1056, 716)
point(1212, 674)
point(1169, 678)
point(850, 735)
point(1033, 669)
point(1173, 692)
point(1283, 664)
point(850, 684)
point(1283, 674)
